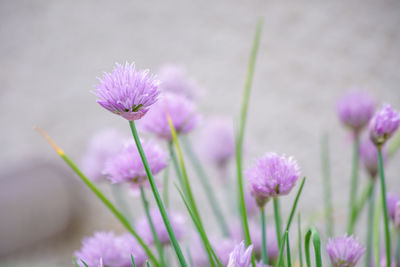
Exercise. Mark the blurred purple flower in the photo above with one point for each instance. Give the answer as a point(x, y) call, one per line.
point(181, 110)
point(240, 257)
point(369, 157)
point(177, 221)
point(217, 142)
point(355, 109)
point(392, 201)
point(102, 146)
point(127, 92)
point(127, 246)
point(174, 79)
point(344, 251)
point(272, 176)
point(127, 166)
point(101, 245)
point(383, 124)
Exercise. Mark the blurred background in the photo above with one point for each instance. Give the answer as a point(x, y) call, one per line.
point(51, 52)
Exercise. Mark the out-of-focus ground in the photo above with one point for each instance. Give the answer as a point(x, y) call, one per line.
point(311, 53)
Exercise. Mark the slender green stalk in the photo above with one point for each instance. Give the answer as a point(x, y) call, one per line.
point(354, 183)
point(120, 200)
point(176, 166)
point(205, 183)
point(133, 261)
point(264, 236)
point(153, 229)
point(370, 220)
point(279, 263)
point(207, 245)
point(147, 263)
point(240, 135)
point(75, 262)
point(289, 222)
point(384, 207)
point(365, 195)
point(157, 197)
point(278, 220)
point(299, 240)
point(289, 260)
point(313, 234)
point(84, 263)
point(327, 186)
point(166, 187)
point(376, 238)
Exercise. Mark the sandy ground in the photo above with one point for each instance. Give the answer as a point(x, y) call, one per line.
point(311, 53)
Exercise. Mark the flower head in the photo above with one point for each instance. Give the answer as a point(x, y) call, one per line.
point(181, 110)
point(369, 157)
point(384, 123)
point(355, 109)
point(175, 80)
point(392, 200)
point(240, 257)
point(127, 92)
point(177, 221)
point(344, 251)
point(102, 146)
point(218, 141)
point(127, 166)
point(102, 246)
point(272, 176)
point(127, 246)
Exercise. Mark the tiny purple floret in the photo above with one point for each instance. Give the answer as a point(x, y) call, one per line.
point(344, 251)
point(240, 257)
point(127, 92)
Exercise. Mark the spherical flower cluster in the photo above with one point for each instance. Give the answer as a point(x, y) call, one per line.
point(103, 145)
point(272, 176)
point(110, 250)
point(181, 110)
point(127, 166)
point(217, 141)
point(127, 92)
point(344, 251)
point(175, 80)
point(369, 157)
point(385, 122)
point(355, 109)
point(240, 257)
point(177, 222)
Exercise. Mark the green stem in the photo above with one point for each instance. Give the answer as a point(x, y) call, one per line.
point(111, 207)
point(370, 220)
point(299, 240)
point(176, 166)
point(240, 135)
point(314, 235)
point(354, 183)
point(327, 185)
point(289, 260)
point(376, 238)
point(384, 207)
point(157, 197)
point(166, 186)
point(204, 181)
point(153, 229)
point(264, 236)
point(277, 217)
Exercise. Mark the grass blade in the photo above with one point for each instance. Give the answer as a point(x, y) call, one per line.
point(75, 262)
point(289, 260)
point(133, 261)
point(299, 240)
point(313, 234)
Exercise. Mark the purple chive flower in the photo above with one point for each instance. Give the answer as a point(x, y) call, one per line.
point(223, 248)
point(272, 176)
point(175, 80)
point(369, 157)
point(240, 257)
point(355, 109)
point(181, 110)
point(100, 263)
point(217, 141)
point(127, 92)
point(102, 146)
point(177, 221)
point(344, 251)
point(127, 246)
point(384, 123)
point(392, 200)
point(127, 166)
point(101, 245)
